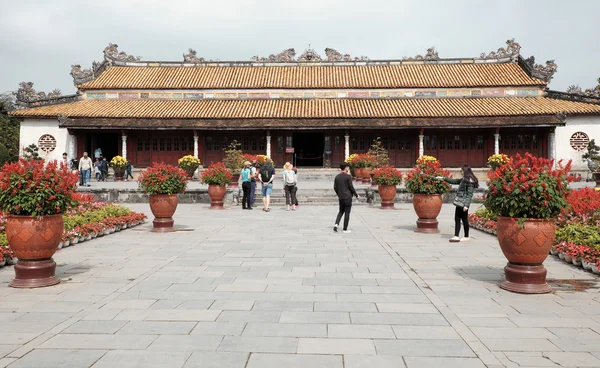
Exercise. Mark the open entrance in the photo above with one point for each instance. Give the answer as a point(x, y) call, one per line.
point(107, 143)
point(309, 149)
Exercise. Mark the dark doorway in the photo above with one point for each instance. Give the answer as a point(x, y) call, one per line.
point(107, 142)
point(308, 148)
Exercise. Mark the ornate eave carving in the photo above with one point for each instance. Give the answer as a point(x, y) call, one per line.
point(309, 55)
point(62, 119)
point(112, 54)
point(562, 116)
point(431, 55)
point(191, 57)
point(512, 50)
point(286, 56)
point(334, 55)
point(81, 76)
point(544, 72)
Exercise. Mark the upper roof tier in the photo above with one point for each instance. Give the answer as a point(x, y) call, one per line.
point(504, 67)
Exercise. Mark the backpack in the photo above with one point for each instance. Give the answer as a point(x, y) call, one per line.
point(290, 178)
point(265, 173)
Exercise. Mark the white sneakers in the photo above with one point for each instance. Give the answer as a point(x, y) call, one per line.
point(347, 231)
point(465, 239)
point(454, 239)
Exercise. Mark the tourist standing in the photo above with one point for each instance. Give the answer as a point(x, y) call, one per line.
point(246, 183)
point(97, 169)
point(65, 161)
point(253, 175)
point(342, 185)
point(464, 196)
point(266, 174)
point(128, 170)
point(296, 187)
point(85, 168)
point(103, 168)
point(289, 186)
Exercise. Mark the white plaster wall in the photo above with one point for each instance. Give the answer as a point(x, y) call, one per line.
point(32, 129)
point(590, 125)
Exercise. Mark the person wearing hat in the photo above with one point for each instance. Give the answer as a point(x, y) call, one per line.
point(246, 183)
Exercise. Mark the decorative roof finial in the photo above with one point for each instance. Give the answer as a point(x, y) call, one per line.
point(431, 54)
point(191, 57)
point(26, 93)
point(286, 56)
point(112, 54)
point(334, 55)
point(544, 72)
point(512, 50)
point(309, 55)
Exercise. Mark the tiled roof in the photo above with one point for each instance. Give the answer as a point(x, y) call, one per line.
point(312, 109)
point(299, 77)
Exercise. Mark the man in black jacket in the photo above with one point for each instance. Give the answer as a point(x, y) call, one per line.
point(345, 191)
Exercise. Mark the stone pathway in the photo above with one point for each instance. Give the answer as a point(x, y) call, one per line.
point(248, 289)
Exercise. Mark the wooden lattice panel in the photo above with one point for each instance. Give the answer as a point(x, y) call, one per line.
point(47, 143)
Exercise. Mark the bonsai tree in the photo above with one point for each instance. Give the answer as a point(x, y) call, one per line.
point(162, 179)
point(379, 152)
point(31, 152)
point(234, 157)
point(189, 164)
point(592, 156)
point(216, 174)
point(422, 178)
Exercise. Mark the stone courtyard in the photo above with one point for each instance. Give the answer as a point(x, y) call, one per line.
point(253, 289)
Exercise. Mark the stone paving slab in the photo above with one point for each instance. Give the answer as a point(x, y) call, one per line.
point(281, 289)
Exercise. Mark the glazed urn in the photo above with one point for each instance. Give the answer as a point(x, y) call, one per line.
point(234, 183)
point(387, 193)
point(34, 240)
point(427, 207)
point(525, 247)
point(358, 174)
point(163, 207)
point(216, 194)
point(119, 174)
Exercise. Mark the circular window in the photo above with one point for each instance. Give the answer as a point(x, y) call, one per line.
point(47, 143)
point(579, 141)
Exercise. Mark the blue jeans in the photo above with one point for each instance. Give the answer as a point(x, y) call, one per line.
point(252, 192)
point(85, 175)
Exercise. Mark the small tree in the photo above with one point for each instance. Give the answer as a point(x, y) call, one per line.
point(234, 157)
point(31, 152)
point(592, 156)
point(379, 152)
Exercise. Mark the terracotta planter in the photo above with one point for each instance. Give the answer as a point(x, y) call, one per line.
point(366, 175)
point(358, 173)
point(525, 249)
point(427, 207)
point(235, 179)
point(119, 174)
point(216, 194)
point(34, 240)
point(163, 207)
point(387, 194)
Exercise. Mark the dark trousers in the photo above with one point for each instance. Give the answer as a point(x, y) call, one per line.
point(345, 208)
point(290, 195)
point(129, 173)
point(461, 215)
point(252, 192)
point(246, 196)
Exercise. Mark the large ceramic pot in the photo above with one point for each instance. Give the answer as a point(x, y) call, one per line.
point(163, 207)
point(119, 174)
point(235, 179)
point(216, 194)
point(525, 247)
point(387, 194)
point(366, 175)
point(34, 240)
point(358, 173)
point(427, 207)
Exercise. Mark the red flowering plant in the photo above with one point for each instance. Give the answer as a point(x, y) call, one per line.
point(216, 174)
point(387, 175)
point(421, 179)
point(162, 179)
point(528, 187)
point(36, 188)
point(584, 207)
point(364, 160)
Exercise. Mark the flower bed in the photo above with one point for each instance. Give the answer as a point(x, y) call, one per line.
point(577, 233)
point(89, 219)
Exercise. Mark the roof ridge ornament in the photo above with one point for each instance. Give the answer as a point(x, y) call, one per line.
point(589, 92)
point(545, 72)
point(112, 54)
point(512, 50)
point(26, 93)
point(309, 55)
point(191, 57)
point(81, 76)
point(335, 55)
point(285, 56)
point(431, 55)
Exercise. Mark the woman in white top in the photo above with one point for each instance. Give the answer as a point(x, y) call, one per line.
point(289, 182)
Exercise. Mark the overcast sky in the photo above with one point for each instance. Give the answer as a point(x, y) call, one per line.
point(41, 39)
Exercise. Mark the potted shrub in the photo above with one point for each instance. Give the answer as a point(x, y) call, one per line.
point(527, 193)
point(189, 164)
point(34, 195)
point(118, 164)
point(216, 176)
point(592, 156)
point(162, 183)
point(427, 192)
point(234, 161)
point(494, 161)
point(350, 160)
point(365, 163)
point(387, 178)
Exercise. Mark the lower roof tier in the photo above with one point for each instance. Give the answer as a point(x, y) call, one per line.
point(312, 109)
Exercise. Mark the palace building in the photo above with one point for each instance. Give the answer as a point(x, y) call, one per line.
point(312, 110)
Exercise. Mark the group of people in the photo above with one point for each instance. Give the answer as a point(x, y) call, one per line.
point(466, 185)
point(85, 165)
point(265, 175)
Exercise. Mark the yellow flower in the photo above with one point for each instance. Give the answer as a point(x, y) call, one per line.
point(351, 157)
point(189, 159)
point(118, 161)
point(499, 158)
point(423, 159)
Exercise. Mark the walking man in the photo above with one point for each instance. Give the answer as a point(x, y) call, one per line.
point(85, 168)
point(266, 175)
point(345, 191)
